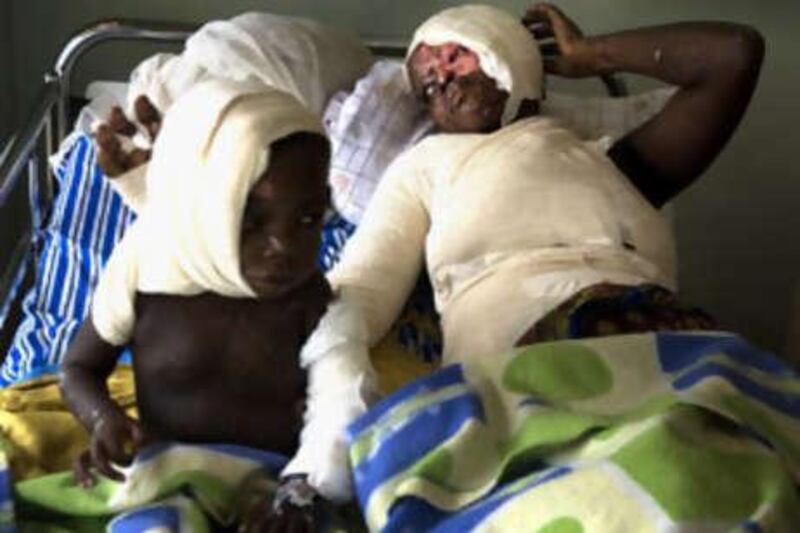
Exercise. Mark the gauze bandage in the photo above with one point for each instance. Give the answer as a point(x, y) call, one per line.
point(213, 147)
point(508, 53)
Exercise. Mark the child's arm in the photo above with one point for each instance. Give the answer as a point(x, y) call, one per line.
point(114, 435)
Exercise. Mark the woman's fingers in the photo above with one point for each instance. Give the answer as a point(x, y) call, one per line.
point(562, 27)
point(541, 30)
point(107, 140)
point(535, 15)
point(119, 123)
point(538, 23)
point(148, 116)
point(110, 157)
point(549, 49)
point(137, 156)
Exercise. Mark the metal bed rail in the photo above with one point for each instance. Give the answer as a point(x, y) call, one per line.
point(47, 120)
point(46, 126)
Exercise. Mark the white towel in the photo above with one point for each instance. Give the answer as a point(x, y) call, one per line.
point(507, 52)
point(214, 145)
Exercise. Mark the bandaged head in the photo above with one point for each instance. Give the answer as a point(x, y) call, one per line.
point(507, 52)
point(213, 147)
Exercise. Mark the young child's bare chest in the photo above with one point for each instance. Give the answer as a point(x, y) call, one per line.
point(210, 368)
point(185, 338)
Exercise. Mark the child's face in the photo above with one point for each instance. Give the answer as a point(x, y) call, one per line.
point(283, 216)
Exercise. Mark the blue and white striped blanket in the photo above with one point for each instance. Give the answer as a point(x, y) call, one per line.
point(86, 221)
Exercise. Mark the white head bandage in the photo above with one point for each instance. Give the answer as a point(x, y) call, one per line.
point(507, 52)
point(306, 59)
point(212, 149)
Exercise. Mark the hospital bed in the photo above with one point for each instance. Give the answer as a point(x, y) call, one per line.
point(66, 195)
point(27, 177)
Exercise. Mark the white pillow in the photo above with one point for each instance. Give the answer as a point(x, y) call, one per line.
point(368, 128)
point(599, 116)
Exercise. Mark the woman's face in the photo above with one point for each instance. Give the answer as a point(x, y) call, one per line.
point(283, 217)
point(459, 96)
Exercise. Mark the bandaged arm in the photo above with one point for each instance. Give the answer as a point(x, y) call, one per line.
point(382, 260)
point(340, 386)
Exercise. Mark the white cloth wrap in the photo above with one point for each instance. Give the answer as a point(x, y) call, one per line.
point(510, 224)
point(341, 384)
point(213, 147)
point(308, 60)
point(507, 51)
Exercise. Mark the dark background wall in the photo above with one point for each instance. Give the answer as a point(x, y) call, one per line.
point(7, 93)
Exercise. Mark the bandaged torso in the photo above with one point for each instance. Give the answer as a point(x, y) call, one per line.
point(511, 223)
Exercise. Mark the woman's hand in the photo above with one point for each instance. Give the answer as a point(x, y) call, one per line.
point(115, 440)
point(112, 157)
point(290, 510)
point(565, 50)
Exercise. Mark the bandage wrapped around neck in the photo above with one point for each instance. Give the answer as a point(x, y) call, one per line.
point(212, 149)
point(507, 52)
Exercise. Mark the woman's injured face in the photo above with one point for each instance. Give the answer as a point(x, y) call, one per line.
point(283, 217)
point(460, 97)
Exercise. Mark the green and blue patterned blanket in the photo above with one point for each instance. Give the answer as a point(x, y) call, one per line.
point(170, 487)
point(647, 432)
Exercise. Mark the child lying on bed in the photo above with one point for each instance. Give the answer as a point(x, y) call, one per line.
point(216, 290)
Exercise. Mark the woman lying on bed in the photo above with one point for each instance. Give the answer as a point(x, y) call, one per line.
point(516, 218)
point(530, 234)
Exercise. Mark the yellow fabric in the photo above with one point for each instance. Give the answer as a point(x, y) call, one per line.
point(41, 434)
point(395, 365)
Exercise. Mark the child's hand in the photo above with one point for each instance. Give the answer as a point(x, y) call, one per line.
point(112, 157)
point(291, 509)
point(115, 439)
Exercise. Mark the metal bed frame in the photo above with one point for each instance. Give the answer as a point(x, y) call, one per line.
point(46, 125)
